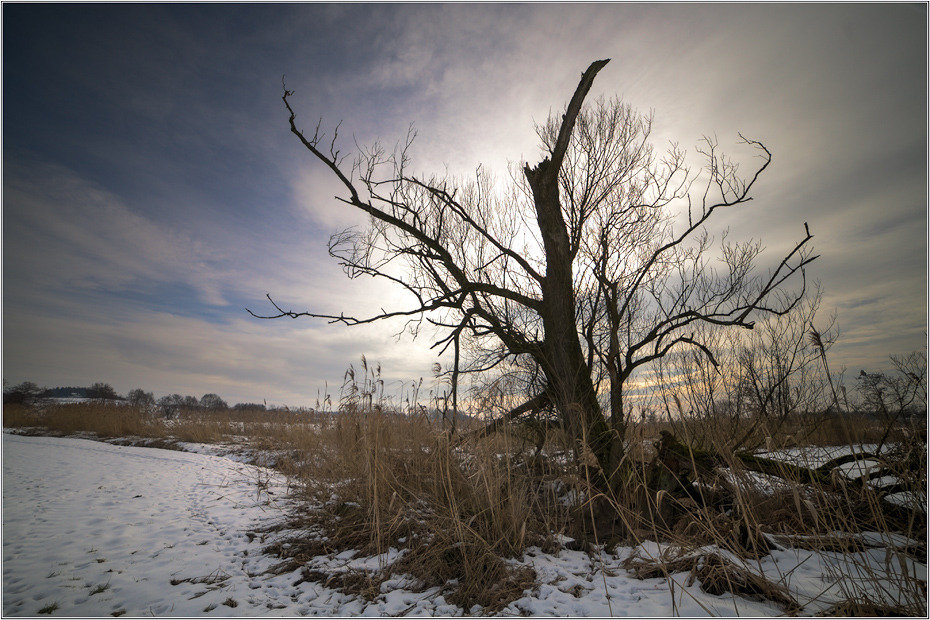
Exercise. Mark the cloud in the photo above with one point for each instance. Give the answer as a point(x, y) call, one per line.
point(61, 232)
point(242, 359)
point(96, 292)
point(177, 195)
point(65, 235)
point(314, 190)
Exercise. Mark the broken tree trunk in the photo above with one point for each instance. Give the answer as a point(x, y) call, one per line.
point(563, 361)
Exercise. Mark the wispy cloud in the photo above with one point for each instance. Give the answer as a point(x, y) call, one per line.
point(152, 189)
point(243, 360)
point(85, 274)
point(62, 232)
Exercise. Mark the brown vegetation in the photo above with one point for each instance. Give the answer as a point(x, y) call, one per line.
point(373, 480)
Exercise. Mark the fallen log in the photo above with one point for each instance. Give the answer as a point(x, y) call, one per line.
point(677, 465)
point(533, 405)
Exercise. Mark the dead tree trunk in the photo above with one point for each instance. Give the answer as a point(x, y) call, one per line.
point(467, 276)
point(563, 360)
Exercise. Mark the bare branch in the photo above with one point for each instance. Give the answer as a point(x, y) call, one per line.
point(574, 276)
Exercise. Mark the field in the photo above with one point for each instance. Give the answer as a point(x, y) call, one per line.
point(113, 510)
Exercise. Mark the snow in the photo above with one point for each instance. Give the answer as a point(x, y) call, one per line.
point(81, 515)
point(815, 456)
point(93, 529)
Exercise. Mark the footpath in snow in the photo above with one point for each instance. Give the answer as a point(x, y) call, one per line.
point(94, 529)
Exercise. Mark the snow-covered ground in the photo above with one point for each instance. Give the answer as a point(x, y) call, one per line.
point(94, 529)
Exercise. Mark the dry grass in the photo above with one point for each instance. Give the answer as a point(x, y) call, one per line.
point(102, 419)
point(380, 481)
point(798, 430)
point(258, 429)
point(748, 514)
point(373, 480)
point(716, 575)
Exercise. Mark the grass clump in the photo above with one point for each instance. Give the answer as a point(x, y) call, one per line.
point(378, 482)
point(100, 589)
point(437, 511)
point(51, 607)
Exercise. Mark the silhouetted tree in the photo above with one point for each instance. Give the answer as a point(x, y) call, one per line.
point(575, 275)
point(213, 402)
point(22, 393)
point(102, 391)
point(898, 395)
point(140, 398)
point(171, 405)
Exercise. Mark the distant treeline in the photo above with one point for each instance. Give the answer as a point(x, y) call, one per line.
point(80, 392)
point(29, 392)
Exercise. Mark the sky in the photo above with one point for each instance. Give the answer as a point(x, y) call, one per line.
point(152, 190)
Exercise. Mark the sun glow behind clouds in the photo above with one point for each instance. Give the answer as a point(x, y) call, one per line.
point(165, 193)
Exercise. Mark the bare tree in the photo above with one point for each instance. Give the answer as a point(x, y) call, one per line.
point(171, 405)
point(102, 391)
point(763, 383)
point(140, 398)
point(22, 393)
point(213, 402)
point(576, 274)
point(893, 397)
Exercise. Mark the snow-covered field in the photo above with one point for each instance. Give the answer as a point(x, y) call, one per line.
point(94, 529)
